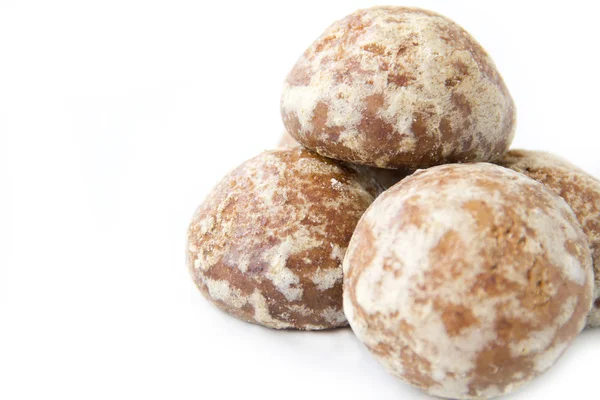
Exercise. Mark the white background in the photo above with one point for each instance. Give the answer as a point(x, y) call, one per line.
point(116, 118)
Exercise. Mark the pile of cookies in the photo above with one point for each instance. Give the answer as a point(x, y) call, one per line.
point(395, 206)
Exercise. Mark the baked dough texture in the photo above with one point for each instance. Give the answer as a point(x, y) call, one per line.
point(580, 190)
point(267, 244)
point(386, 177)
point(396, 87)
point(468, 280)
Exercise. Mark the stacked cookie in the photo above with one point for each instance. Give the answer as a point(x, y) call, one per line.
point(466, 278)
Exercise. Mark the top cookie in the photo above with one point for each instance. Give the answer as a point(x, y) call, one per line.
point(398, 87)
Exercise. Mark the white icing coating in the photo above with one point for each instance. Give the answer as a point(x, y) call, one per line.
point(450, 271)
point(326, 279)
point(267, 248)
point(425, 82)
point(579, 189)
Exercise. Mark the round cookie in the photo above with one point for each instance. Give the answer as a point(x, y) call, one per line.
point(467, 280)
point(398, 87)
point(386, 177)
point(267, 244)
point(580, 190)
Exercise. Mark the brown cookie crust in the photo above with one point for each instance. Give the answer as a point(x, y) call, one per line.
point(580, 190)
point(398, 87)
point(467, 281)
point(267, 244)
point(386, 177)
